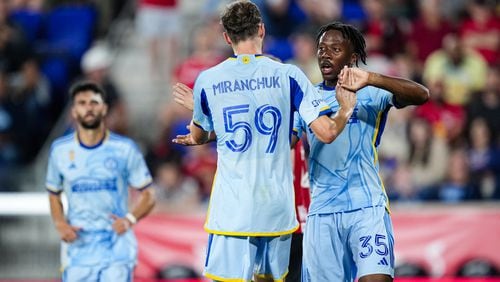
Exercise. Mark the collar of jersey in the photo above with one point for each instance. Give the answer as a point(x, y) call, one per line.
point(325, 87)
point(106, 134)
point(255, 55)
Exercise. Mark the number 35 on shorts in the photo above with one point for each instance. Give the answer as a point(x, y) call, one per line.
point(370, 244)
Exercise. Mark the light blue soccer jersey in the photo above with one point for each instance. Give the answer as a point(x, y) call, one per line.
point(96, 181)
point(248, 101)
point(345, 174)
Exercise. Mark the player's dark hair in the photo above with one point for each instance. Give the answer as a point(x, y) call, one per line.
point(83, 86)
point(349, 32)
point(241, 20)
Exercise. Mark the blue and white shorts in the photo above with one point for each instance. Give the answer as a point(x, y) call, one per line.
point(345, 245)
point(231, 258)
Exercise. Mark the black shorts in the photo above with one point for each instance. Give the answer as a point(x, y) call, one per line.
point(295, 265)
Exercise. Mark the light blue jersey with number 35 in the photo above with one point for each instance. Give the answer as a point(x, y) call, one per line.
point(248, 101)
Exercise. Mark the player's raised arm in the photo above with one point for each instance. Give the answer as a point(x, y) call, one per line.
point(406, 92)
point(183, 95)
point(328, 128)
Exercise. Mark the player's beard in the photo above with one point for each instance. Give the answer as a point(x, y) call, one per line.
point(91, 124)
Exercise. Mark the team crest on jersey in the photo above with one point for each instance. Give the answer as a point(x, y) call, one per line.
point(110, 163)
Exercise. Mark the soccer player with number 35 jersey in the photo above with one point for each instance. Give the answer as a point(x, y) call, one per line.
point(348, 231)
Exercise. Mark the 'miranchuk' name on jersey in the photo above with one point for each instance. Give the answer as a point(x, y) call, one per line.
point(248, 101)
point(246, 84)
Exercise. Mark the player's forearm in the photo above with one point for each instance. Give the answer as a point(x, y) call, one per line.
point(406, 92)
point(339, 121)
point(56, 210)
point(327, 129)
point(199, 135)
point(145, 203)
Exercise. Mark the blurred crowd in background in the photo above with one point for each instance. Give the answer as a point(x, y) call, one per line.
point(447, 150)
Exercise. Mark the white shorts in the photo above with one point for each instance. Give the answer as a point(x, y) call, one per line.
point(154, 22)
point(345, 245)
point(231, 258)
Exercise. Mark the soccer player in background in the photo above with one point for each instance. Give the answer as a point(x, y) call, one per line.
point(248, 102)
point(94, 168)
point(348, 232)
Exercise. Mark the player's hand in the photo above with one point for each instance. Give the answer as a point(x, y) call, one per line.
point(353, 79)
point(120, 224)
point(183, 95)
point(346, 98)
point(68, 233)
point(186, 140)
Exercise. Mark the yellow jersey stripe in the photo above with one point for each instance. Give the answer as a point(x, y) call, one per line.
point(375, 153)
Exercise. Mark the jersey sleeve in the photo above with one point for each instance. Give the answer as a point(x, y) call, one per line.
point(305, 98)
point(54, 179)
point(202, 116)
point(384, 99)
point(297, 128)
point(139, 176)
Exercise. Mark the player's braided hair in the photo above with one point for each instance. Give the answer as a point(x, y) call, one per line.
point(350, 33)
point(241, 20)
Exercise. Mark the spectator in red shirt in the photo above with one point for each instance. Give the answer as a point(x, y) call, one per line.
point(428, 30)
point(481, 31)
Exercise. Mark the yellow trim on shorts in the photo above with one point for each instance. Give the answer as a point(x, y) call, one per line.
point(267, 276)
point(250, 234)
point(217, 278)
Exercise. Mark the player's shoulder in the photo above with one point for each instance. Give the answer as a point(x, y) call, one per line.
point(65, 140)
point(116, 138)
point(123, 142)
point(215, 70)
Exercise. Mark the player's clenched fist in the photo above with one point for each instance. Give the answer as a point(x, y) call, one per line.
point(68, 233)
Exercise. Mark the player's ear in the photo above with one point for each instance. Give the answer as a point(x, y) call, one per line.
point(105, 109)
point(73, 112)
point(226, 37)
point(354, 59)
point(262, 30)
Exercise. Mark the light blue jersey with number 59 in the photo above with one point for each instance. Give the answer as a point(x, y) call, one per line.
point(248, 101)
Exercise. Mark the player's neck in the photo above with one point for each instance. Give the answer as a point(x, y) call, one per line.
point(248, 47)
point(330, 83)
point(91, 137)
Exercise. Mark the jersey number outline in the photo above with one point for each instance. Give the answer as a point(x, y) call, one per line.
point(383, 250)
point(231, 126)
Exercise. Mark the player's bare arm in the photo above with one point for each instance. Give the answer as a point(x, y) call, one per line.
point(328, 128)
point(67, 232)
point(144, 205)
point(183, 95)
point(406, 92)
